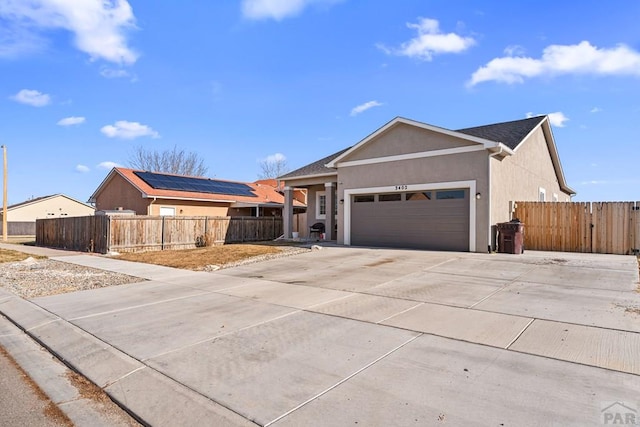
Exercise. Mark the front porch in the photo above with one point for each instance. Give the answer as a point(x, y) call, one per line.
point(321, 202)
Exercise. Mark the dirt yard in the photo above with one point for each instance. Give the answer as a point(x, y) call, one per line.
point(213, 257)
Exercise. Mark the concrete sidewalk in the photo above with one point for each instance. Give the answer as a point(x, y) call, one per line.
point(346, 335)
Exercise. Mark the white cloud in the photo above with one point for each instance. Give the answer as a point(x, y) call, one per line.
point(99, 26)
point(114, 73)
point(107, 165)
point(429, 41)
point(364, 107)
point(32, 97)
point(514, 50)
point(128, 130)
point(596, 110)
point(71, 121)
point(82, 168)
point(16, 41)
point(275, 158)
point(556, 119)
point(582, 58)
point(278, 9)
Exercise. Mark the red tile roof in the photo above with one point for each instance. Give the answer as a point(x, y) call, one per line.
point(264, 190)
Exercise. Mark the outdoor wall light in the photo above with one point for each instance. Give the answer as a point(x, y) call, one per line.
point(478, 196)
point(342, 201)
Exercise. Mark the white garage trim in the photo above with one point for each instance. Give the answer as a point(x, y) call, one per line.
point(471, 185)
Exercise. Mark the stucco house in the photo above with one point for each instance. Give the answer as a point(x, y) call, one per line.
point(414, 185)
point(150, 193)
point(21, 217)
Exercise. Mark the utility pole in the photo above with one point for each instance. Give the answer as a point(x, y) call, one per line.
point(4, 193)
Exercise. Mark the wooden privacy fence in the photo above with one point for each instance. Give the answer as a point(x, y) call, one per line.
point(20, 228)
point(84, 233)
point(597, 227)
point(144, 233)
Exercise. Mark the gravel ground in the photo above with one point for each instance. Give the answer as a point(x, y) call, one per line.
point(33, 278)
point(285, 252)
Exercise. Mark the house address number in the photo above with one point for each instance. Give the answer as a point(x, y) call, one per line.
point(402, 187)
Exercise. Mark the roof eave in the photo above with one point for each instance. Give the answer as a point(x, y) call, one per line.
point(195, 199)
point(314, 175)
point(555, 157)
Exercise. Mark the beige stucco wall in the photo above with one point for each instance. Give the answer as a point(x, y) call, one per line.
point(405, 139)
point(311, 204)
point(190, 208)
point(520, 176)
point(458, 167)
point(118, 193)
point(55, 207)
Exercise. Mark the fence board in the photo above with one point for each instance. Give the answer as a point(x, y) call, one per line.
point(598, 227)
point(635, 229)
point(144, 233)
point(86, 233)
point(20, 228)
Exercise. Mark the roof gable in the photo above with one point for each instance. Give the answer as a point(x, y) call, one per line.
point(401, 120)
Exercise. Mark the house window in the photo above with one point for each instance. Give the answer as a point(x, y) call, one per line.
point(450, 194)
point(542, 194)
point(165, 211)
point(321, 205)
point(393, 197)
point(424, 195)
point(555, 197)
point(365, 198)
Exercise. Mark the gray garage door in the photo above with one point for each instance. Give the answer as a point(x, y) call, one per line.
point(436, 219)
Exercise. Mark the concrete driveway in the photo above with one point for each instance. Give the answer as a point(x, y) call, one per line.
point(347, 336)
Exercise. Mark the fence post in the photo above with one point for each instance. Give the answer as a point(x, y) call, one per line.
point(162, 235)
point(206, 238)
point(241, 229)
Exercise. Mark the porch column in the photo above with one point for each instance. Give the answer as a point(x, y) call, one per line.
point(329, 221)
point(287, 214)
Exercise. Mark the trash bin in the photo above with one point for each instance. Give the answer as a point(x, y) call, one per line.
point(511, 237)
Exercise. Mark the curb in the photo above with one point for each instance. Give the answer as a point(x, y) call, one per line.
point(81, 401)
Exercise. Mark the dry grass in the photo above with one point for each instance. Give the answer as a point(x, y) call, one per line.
point(198, 259)
point(22, 240)
point(8, 255)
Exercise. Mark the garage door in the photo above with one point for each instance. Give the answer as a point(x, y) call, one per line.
point(435, 219)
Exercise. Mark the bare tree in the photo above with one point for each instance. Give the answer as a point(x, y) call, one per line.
point(273, 166)
point(175, 161)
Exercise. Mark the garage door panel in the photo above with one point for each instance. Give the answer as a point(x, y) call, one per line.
point(424, 224)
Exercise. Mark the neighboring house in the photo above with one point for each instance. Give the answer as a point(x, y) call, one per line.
point(21, 217)
point(149, 193)
point(414, 185)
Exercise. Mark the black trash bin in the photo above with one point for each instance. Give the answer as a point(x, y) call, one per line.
point(511, 237)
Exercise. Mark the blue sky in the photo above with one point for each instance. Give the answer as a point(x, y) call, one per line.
point(86, 81)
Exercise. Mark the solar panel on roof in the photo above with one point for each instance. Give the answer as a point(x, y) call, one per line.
point(198, 185)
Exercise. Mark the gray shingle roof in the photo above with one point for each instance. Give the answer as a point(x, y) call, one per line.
point(510, 134)
point(315, 168)
point(35, 199)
